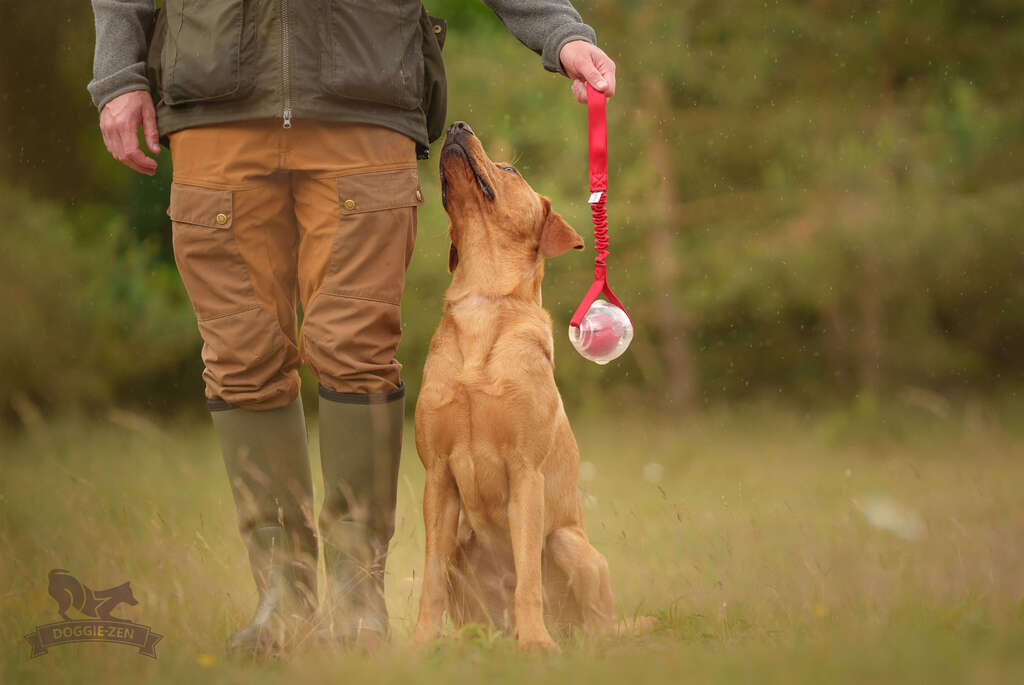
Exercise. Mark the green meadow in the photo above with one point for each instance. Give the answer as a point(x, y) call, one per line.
point(870, 544)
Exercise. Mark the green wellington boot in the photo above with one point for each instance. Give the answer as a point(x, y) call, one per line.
point(360, 447)
point(268, 466)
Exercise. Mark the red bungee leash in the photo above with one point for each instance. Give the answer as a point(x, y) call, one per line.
point(609, 326)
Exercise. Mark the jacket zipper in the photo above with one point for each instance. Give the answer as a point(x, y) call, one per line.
point(286, 77)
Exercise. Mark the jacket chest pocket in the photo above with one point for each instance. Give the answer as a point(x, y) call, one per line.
point(372, 51)
point(204, 49)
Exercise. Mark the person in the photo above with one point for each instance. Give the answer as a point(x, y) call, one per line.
point(294, 131)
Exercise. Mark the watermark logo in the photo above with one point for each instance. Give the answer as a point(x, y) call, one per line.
point(100, 626)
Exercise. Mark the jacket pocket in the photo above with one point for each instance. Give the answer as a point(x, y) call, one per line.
point(372, 51)
point(211, 266)
point(204, 48)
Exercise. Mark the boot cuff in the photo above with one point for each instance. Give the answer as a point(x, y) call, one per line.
point(219, 405)
point(363, 398)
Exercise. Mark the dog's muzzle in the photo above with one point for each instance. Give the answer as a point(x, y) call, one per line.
point(453, 145)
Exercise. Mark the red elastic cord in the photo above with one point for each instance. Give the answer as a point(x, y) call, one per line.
point(598, 129)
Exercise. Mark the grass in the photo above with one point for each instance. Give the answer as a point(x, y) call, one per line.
point(773, 547)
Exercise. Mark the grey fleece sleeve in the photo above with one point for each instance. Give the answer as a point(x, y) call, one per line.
point(119, 63)
point(544, 26)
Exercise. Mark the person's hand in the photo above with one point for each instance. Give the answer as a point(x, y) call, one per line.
point(586, 63)
point(119, 122)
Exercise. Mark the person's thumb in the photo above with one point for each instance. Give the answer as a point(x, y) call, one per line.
point(589, 71)
point(149, 130)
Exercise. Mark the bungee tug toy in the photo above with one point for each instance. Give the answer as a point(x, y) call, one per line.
point(600, 330)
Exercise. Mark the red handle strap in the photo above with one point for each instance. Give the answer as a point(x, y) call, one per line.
point(597, 127)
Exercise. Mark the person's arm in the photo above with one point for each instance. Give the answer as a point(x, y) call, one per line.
point(119, 88)
point(119, 63)
point(554, 30)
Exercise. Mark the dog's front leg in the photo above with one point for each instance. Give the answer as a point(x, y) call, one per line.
point(526, 526)
point(441, 519)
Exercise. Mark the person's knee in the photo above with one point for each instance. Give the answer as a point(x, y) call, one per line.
point(249, 362)
point(350, 343)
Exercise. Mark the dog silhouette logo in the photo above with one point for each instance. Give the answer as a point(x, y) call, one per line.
point(100, 626)
point(68, 592)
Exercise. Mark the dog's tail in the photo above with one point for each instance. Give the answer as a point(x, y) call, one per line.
point(66, 590)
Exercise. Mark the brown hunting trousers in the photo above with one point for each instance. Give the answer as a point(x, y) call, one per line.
point(266, 218)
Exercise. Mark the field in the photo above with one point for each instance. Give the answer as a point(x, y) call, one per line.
point(866, 544)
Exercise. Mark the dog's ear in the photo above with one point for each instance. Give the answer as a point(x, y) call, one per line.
point(453, 258)
point(556, 235)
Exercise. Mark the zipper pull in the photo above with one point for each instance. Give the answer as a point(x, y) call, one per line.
point(287, 118)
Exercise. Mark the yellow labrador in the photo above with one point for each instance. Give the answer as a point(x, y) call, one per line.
point(504, 530)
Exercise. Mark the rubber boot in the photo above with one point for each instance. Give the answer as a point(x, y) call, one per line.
point(360, 448)
point(268, 466)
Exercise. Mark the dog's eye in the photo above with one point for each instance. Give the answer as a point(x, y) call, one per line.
point(508, 168)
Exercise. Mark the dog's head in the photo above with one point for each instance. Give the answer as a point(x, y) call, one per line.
point(497, 219)
point(123, 594)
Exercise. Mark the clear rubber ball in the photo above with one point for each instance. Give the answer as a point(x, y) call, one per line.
point(604, 334)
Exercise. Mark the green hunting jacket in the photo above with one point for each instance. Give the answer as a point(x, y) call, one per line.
point(363, 61)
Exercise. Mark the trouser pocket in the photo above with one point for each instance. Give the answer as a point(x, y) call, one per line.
point(376, 234)
point(209, 261)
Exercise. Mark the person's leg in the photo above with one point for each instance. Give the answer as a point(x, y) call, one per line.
point(268, 468)
point(235, 243)
point(355, 203)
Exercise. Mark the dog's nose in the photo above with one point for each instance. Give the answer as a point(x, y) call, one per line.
point(459, 127)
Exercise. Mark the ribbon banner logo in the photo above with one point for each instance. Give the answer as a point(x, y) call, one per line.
point(99, 627)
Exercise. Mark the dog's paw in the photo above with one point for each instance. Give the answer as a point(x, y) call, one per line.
point(539, 645)
point(424, 635)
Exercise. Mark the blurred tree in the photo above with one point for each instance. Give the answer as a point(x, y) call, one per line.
point(809, 199)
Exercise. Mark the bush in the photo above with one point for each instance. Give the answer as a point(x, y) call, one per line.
point(87, 318)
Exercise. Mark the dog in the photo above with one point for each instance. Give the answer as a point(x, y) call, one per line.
point(68, 592)
point(505, 543)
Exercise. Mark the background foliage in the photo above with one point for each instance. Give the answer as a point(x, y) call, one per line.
point(814, 200)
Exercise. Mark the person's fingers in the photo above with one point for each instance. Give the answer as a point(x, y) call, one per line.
point(116, 144)
point(128, 138)
point(589, 63)
point(149, 130)
point(127, 130)
point(137, 159)
point(133, 166)
point(119, 124)
point(579, 91)
point(590, 73)
point(607, 68)
point(112, 126)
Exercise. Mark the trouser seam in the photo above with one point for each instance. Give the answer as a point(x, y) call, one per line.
point(328, 175)
point(365, 298)
point(248, 308)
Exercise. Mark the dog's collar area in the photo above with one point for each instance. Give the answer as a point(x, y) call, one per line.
point(475, 300)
